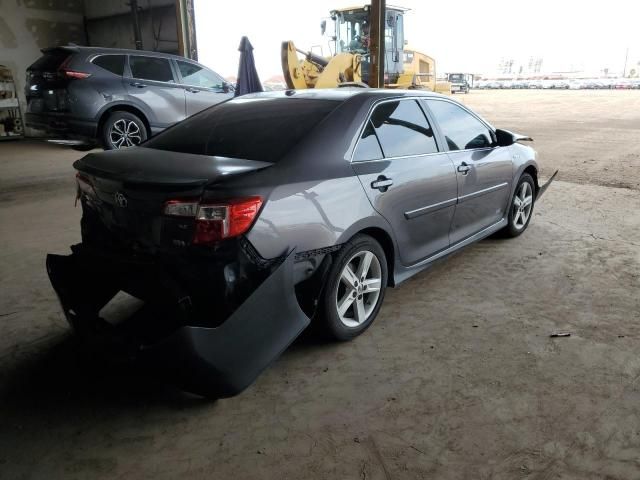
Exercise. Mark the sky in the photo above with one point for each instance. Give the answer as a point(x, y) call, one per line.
point(473, 37)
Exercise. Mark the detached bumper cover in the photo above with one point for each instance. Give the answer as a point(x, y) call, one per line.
point(544, 187)
point(220, 361)
point(227, 359)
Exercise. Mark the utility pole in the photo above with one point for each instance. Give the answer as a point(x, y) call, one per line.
point(626, 57)
point(377, 18)
point(137, 34)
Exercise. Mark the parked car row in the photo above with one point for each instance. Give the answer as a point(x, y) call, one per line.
point(561, 84)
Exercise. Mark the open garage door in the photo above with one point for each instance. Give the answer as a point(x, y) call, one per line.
point(158, 25)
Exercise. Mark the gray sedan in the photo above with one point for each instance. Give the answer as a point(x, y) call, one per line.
point(241, 224)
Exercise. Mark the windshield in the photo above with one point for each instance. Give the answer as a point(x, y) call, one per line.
point(456, 77)
point(352, 31)
point(262, 129)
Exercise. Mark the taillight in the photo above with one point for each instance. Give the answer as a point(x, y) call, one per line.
point(71, 73)
point(74, 74)
point(215, 222)
point(84, 187)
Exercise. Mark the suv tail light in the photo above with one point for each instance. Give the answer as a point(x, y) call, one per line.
point(71, 73)
point(74, 74)
point(215, 222)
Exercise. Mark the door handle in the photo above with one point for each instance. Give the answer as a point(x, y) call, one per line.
point(137, 84)
point(463, 168)
point(382, 183)
point(192, 90)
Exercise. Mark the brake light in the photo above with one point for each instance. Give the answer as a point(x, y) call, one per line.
point(74, 74)
point(84, 187)
point(215, 222)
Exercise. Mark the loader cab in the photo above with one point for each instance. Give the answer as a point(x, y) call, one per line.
point(352, 35)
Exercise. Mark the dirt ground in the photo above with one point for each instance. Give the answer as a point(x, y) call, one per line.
point(457, 379)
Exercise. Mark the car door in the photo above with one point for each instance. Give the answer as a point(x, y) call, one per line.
point(484, 170)
point(203, 88)
point(407, 179)
point(152, 83)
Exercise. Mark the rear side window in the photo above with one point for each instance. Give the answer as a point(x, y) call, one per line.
point(402, 129)
point(368, 146)
point(111, 63)
point(199, 77)
point(253, 129)
point(50, 61)
point(150, 68)
point(461, 130)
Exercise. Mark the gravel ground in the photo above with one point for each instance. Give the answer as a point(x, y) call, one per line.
point(457, 379)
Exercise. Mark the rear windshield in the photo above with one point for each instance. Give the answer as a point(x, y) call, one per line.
point(50, 61)
point(253, 129)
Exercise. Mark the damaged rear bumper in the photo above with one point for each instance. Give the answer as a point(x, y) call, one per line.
point(218, 361)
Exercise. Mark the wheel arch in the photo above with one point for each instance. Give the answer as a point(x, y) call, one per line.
point(533, 171)
point(385, 241)
point(123, 107)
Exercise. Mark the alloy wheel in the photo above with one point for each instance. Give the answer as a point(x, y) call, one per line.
point(359, 288)
point(522, 205)
point(125, 133)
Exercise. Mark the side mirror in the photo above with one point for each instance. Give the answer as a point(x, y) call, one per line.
point(323, 27)
point(504, 138)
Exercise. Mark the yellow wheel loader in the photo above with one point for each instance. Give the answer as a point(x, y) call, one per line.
point(355, 31)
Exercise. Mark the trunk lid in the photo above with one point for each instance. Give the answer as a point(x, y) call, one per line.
point(130, 187)
point(148, 166)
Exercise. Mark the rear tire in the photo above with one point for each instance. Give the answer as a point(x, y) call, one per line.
point(121, 130)
point(355, 288)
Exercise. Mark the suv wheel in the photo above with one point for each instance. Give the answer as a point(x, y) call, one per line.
point(123, 129)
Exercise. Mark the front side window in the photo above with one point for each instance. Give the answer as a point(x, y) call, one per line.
point(111, 63)
point(461, 130)
point(402, 129)
point(197, 76)
point(150, 68)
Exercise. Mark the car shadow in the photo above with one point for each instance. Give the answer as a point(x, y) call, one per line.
point(61, 377)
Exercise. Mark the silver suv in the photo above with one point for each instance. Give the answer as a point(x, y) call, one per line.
point(117, 98)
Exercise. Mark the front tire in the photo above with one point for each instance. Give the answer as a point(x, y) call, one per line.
point(355, 288)
point(521, 206)
point(122, 130)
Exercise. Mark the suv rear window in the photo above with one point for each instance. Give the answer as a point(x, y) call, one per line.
point(111, 63)
point(50, 61)
point(253, 129)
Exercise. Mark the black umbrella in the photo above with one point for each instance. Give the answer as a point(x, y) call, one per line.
point(248, 81)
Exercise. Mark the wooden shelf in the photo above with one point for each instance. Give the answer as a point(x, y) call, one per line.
point(9, 103)
point(7, 86)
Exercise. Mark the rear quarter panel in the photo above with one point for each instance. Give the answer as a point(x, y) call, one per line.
point(312, 215)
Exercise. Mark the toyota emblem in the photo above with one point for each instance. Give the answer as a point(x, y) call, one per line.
point(120, 199)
